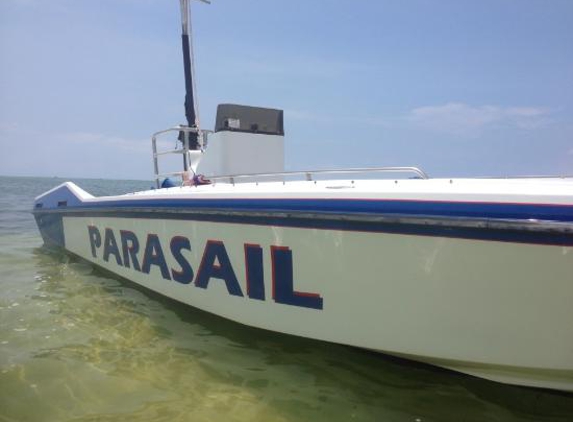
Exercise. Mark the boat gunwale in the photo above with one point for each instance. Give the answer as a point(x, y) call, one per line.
point(537, 232)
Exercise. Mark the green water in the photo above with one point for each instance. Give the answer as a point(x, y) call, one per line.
point(77, 344)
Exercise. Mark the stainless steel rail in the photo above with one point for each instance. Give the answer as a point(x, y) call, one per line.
point(309, 174)
point(184, 150)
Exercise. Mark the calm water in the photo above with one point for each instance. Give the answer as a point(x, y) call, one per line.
point(77, 344)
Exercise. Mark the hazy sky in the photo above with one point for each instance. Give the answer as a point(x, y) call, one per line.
point(457, 87)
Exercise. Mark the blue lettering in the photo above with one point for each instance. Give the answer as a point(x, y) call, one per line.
point(254, 272)
point(153, 255)
point(185, 276)
point(130, 248)
point(283, 288)
point(110, 247)
point(215, 251)
point(215, 263)
point(95, 239)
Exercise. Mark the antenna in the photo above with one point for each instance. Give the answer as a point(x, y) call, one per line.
point(189, 138)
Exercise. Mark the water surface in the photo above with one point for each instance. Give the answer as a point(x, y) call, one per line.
point(78, 344)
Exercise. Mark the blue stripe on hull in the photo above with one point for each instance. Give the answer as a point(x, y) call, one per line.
point(563, 213)
point(325, 215)
point(326, 223)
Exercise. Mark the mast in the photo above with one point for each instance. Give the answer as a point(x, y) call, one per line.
point(189, 139)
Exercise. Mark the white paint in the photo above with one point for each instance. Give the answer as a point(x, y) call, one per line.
point(503, 191)
point(238, 153)
point(498, 310)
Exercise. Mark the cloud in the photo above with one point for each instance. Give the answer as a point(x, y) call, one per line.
point(11, 130)
point(81, 154)
point(111, 142)
point(309, 116)
point(451, 118)
point(293, 114)
point(301, 66)
point(8, 127)
point(379, 121)
point(464, 119)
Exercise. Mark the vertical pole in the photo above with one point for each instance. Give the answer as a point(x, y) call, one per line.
point(186, 42)
point(155, 163)
point(186, 151)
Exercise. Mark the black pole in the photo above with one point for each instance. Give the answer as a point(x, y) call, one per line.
point(190, 112)
point(189, 94)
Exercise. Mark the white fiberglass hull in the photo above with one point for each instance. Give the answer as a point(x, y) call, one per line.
point(497, 310)
point(486, 301)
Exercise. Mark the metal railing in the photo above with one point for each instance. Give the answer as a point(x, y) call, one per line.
point(310, 174)
point(202, 138)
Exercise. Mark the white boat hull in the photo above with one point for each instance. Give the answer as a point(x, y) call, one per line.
point(495, 309)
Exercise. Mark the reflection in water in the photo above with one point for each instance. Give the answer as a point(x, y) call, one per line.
point(97, 348)
point(80, 344)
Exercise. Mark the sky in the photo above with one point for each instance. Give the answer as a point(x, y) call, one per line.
point(456, 87)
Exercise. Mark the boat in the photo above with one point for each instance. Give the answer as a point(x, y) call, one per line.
point(470, 274)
